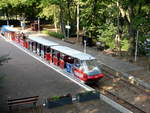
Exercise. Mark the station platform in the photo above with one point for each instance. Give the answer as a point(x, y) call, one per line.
point(24, 76)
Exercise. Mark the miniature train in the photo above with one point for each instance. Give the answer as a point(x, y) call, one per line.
point(81, 65)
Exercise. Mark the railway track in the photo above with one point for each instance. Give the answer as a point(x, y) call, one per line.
point(122, 102)
point(117, 98)
point(111, 76)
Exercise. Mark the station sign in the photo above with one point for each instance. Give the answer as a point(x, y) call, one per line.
point(67, 27)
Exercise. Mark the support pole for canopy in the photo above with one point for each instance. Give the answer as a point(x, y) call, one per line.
point(84, 46)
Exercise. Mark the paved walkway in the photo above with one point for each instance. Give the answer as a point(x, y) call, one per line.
point(119, 66)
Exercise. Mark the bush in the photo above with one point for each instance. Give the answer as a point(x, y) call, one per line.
point(45, 31)
point(106, 35)
point(57, 35)
point(54, 34)
point(125, 44)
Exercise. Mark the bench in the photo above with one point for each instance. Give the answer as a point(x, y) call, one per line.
point(27, 100)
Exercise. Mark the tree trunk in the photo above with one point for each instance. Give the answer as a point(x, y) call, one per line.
point(62, 23)
point(131, 31)
point(7, 16)
point(55, 19)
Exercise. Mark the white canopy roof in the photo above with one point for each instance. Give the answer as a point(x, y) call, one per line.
point(9, 28)
point(42, 41)
point(73, 53)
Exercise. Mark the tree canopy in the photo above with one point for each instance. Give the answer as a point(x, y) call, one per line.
point(104, 20)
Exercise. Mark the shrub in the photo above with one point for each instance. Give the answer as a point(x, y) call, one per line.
point(106, 35)
point(45, 31)
point(125, 44)
point(55, 98)
point(54, 34)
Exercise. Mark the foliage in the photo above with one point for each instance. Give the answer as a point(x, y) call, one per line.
point(45, 32)
point(54, 98)
point(107, 35)
point(103, 19)
point(125, 44)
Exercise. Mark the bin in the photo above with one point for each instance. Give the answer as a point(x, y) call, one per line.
point(88, 41)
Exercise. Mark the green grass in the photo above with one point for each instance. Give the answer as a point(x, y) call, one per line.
point(55, 98)
point(54, 34)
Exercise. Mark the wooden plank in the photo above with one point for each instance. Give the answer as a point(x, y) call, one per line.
point(23, 98)
point(23, 101)
point(28, 102)
point(20, 100)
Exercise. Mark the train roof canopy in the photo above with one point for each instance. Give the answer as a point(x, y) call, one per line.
point(42, 41)
point(6, 28)
point(73, 53)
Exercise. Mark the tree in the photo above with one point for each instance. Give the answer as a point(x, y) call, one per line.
point(132, 12)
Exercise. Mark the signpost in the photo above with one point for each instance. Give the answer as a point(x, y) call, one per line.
point(136, 47)
point(7, 22)
point(84, 46)
point(68, 28)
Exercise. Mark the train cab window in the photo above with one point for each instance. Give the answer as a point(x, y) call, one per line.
point(91, 67)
